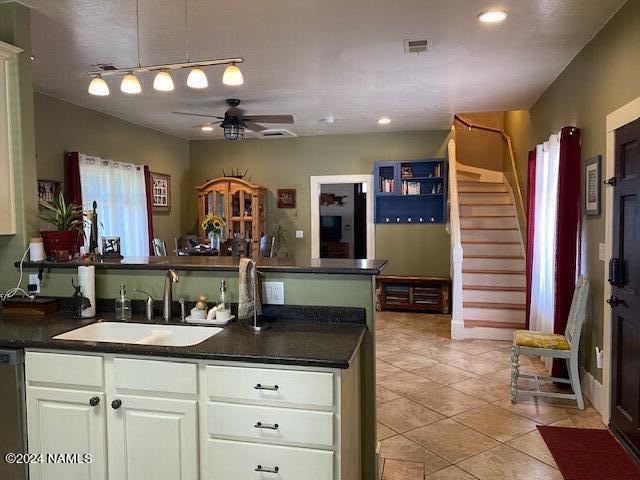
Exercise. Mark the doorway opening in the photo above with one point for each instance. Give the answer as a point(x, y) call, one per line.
point(342, 217)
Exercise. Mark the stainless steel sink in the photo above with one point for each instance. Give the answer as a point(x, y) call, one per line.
point(141, 334)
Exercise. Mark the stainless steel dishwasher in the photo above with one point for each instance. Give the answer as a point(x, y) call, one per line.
point(13, 436)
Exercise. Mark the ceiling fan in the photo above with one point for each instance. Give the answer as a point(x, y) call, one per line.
point(234, 121)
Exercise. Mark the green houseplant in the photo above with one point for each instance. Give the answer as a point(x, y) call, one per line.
point(68, 220)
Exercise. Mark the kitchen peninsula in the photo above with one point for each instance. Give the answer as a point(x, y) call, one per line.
point(325, 327)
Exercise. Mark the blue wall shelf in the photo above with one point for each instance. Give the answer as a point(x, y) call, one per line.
point(412, 191)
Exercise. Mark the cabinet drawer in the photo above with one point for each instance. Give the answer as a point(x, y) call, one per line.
point(283, 425)
point(81, 370)
point(155, 376)
point(236, 460)
point(275, 386)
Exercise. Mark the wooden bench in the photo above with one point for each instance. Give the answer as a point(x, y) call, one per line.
point(423, 294)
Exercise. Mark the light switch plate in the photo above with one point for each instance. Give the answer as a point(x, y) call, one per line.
point(274, 293)
point(299, 234)
point(602, 252)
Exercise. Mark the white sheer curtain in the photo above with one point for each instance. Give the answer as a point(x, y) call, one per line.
point(120, 191)
point(544, 243)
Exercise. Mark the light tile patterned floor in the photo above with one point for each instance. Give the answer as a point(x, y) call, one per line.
point(444, 410)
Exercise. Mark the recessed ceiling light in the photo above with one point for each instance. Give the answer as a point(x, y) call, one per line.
point(329, 119)
point(384, 121)
point(493, 16)
point(207, 128)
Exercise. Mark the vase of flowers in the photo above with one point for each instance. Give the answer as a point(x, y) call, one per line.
point(212, 226)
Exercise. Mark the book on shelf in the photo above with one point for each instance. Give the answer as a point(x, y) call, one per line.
point(387, 185)
point(410, 188)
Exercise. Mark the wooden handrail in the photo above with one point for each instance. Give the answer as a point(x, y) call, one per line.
point(468, 123)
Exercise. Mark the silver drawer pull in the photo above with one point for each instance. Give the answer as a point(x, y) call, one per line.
point(260, 468)
point(268, 426)
point(259, 386)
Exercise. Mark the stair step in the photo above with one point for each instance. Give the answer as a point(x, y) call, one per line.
point(492, 263)
point(485, 198)
point(502, 306)
point(497, 315)
point(470, 187)
point(493, 288)
point(491, 235)
point(495, 256)
point(488, 228)
point(509, 279)
point(484, 323)
point(481, 222)
point(482, 248)
point(488, 210)
point(494, 296)
point(494, 272)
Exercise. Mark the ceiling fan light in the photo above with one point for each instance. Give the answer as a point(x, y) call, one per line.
point(207, 128)
point(98, 87)
point(493, 16)
point(232, 75)
point(130, 84)
point(163, 81)
point(197, 79)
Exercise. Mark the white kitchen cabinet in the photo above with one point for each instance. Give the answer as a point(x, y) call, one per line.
point(174, 419)
point(65, 421)
point(155, 438)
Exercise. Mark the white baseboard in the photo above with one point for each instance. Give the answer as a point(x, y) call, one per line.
point(593, 390)
point(460, 332)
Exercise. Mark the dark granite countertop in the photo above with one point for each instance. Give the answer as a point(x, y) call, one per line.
point(313, 344)
point(227, 264)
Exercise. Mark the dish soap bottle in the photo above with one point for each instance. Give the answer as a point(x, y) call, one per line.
point(123, 305)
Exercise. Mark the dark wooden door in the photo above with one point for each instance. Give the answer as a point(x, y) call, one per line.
point(625, 299)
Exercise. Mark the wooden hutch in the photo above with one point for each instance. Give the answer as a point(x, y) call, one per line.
point(242, 204)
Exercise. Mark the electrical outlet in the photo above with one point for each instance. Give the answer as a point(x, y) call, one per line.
point(34, 283)
point(299, 234)
point(274, 293)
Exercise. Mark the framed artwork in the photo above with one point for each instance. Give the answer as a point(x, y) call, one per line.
point(161, 192)
point(48, 190)
point(592, 181)
point(286, 198)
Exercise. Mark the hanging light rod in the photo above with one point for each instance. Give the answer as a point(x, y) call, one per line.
point(168, 66)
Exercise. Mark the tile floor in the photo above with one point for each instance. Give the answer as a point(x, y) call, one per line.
point(444, 408)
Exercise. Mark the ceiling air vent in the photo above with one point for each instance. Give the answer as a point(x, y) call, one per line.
point(276, 133)
point(416, 46)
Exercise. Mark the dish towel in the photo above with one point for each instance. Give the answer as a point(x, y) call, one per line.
point(249, 295)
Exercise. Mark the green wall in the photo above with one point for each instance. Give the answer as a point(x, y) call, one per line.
point(288, 163)
point(15, 29)
point(64, 127)
point(603, 77)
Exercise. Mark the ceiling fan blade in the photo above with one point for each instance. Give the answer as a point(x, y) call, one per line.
point(269, 118)
point(254, 127)
point(198, 115)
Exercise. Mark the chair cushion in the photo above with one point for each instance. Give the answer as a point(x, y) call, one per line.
point(529, 338)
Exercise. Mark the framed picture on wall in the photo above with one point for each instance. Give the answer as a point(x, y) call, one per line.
point(161, 192)
point(286, 198)
point(592, 182)
point(48, 190)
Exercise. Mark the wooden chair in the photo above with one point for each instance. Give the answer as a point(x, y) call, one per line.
point(555, 346)
point(159, 247)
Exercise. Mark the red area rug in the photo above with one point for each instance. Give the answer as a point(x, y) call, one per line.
point(589, 454)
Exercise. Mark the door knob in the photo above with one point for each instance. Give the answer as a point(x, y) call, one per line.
point(613, 301)
point(116, 404)
point(93, 401)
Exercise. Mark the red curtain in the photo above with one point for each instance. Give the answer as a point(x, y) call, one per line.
point(72, 174)
point(149, 187)
point(531, 215)
point(567, 232)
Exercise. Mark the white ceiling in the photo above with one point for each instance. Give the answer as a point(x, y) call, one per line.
point(314, 58)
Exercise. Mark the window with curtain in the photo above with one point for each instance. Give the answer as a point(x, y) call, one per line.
point(120, 192)
point(542, 312)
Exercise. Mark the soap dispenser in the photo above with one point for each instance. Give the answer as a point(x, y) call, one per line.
point(123, 305)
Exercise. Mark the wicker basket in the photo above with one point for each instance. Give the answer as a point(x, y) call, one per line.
point(55, 241)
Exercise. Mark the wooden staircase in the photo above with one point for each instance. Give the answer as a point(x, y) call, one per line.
point(493, 265)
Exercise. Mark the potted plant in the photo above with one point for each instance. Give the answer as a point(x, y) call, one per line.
point(280, 241)
point(212, 226)
point(68, 220)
